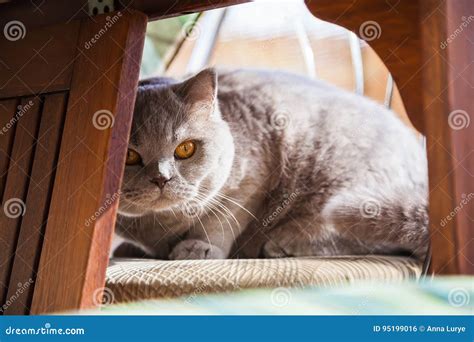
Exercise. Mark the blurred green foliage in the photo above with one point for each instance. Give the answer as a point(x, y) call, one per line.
point(162, 36)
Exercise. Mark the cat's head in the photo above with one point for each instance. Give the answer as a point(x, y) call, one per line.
point(180, 151)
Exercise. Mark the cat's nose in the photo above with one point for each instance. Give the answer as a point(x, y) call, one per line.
point(160, 181)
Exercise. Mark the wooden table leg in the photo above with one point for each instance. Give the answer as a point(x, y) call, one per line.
point(448, 102)
point(85, 197)
point(64, 158)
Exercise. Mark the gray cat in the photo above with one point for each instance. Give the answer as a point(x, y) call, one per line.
point(268, 164)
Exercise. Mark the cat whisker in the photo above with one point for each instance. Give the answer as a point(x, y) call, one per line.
point(228, 198)
point(211, 206)
point(220, 222)
point(172, 210)
point(205, 231)
point(227, 210)
point(228, 223)
point(215, 202)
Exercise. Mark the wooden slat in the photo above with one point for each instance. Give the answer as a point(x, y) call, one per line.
point(90, 166)
point(16, 187)
point(30, 239)
point(7, 132)
point(40, 62)
point(49, 12)
point(170, 8)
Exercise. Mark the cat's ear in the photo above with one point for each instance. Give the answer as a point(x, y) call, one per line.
point(199, 90)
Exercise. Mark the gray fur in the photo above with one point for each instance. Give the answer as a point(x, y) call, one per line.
point(285, 166)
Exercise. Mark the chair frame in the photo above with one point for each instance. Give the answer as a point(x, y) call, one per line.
point(63, 256)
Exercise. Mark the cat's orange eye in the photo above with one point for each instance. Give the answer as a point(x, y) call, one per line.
point(133, 158)
point(185, 150)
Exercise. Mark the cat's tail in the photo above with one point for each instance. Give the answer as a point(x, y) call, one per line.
point(390, 223)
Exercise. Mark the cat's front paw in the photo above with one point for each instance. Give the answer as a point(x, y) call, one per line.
point(283, 244)
point(274, 250)
point(195, 249)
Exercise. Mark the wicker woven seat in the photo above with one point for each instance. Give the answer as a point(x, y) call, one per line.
point(134, 279)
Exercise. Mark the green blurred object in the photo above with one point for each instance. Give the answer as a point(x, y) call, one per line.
point(162, 37)
point(431, 296)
